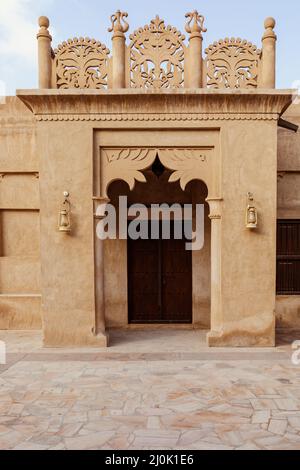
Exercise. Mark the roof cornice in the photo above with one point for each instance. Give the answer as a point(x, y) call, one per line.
point(187, 102)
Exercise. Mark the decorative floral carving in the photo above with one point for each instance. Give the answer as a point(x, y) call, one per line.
point(195, 23)
point(128, 164)
point(187, 164)
point(232, 63)
point(81, 63)
point(118, 23)
point(157, 55)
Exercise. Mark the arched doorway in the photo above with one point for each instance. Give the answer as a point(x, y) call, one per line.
point(189, 157)
point(158, 280)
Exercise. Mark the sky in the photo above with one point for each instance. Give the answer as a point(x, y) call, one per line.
point(71, 18)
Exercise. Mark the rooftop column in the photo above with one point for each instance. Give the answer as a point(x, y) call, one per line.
point(194, 66)
point(268, 73)
point(44, 53)
point(119, 49)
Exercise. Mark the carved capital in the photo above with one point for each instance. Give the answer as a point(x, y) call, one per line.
point(215, 216)
point(195, 23)
point(119, 25)
point(98, 202)
point(215, 205)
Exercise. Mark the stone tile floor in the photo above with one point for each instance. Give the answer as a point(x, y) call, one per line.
point(160, 389)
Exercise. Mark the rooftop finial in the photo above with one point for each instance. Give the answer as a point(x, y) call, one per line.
point(270, 24)
point(116, 23)
point(198, 23)
point(44, 22)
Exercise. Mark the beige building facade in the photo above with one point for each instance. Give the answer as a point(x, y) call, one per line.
point(158, 120)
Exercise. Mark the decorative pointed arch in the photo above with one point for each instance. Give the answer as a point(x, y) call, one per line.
point(128, 164)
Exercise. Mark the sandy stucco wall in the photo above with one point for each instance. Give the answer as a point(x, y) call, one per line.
point(248, 257)
point(19, 219)
point(19, 224)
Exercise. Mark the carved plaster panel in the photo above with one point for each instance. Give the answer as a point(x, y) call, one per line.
point(81, 63)
point(188, 164)
point(157, 56)
point(232, 63)
point(127, 164)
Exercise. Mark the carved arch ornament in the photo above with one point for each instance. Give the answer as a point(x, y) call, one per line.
point(128, 164)
point(157, 56)
point(232, 63)
point(81, 63)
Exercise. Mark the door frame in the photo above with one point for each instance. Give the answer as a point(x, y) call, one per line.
point(191, 152)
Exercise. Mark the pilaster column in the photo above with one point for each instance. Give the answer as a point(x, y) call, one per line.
point(99, 211)
point(44, 53)
point(194, 66)
point(268, 73)
point(215, 205)
point(119, 49)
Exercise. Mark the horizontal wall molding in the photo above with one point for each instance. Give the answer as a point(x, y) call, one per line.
point(18, 296)
point(158, 117)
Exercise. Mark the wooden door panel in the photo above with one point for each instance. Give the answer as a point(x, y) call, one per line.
point(177, 282)
point(159, 281)
point(143, 288)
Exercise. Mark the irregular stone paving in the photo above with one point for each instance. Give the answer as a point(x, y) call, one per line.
point(57, 403)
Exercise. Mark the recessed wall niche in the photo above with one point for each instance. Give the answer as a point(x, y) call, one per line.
point(19, 232)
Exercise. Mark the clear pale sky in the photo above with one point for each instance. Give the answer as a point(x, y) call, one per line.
point(70, 18)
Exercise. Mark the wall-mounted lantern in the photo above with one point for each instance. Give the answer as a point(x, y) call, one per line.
point(64, 223)
point(251, 213)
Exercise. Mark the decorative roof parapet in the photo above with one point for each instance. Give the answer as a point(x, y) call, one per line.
point(64, 46)
point(81, 63)
point(158, 58)
point(157, 25)
point(232, 63)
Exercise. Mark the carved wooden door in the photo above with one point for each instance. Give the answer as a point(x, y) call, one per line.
point(159, 281)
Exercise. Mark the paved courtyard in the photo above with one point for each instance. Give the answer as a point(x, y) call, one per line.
point(156, 389)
